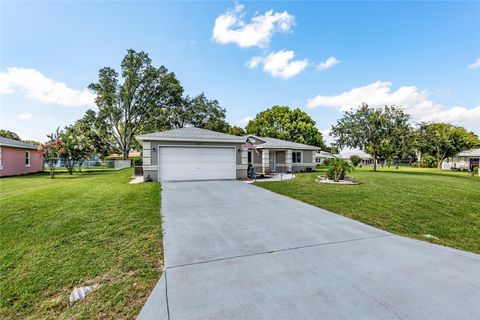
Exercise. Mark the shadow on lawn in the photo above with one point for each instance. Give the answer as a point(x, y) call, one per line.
point(75, 175)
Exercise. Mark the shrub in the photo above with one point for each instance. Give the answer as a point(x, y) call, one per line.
point(475, 171)
point(331, 174)
point(428, 161)
point(137, 161)
point(355, 160)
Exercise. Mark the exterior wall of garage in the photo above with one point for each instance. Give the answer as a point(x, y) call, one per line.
point(150, 157)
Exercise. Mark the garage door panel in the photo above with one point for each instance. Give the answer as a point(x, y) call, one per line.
point(196, 163)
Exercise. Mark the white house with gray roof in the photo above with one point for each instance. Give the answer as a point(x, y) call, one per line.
point(465, 160)
point(199, 154)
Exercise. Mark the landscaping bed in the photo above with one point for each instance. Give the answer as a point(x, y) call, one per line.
point(83, 229)
point(412, 202)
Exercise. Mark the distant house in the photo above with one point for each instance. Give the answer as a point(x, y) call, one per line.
point(17, 158)
point(465, 160)
point(347, 153)
point(321, 156)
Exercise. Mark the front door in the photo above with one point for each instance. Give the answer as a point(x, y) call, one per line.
point(272, 161)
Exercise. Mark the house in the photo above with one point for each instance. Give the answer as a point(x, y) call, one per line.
point(17, 158)
point(321, 156)
point(367, 159)
point(277, 155)
point(199, 154)
point(465, 160)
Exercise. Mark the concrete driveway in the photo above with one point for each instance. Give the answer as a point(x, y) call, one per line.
point(236, 251)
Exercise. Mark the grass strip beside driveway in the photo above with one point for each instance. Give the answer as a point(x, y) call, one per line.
point(77, 230)
point(408, 201)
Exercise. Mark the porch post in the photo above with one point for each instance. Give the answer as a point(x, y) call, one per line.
point(265, 160)
point(288, 159)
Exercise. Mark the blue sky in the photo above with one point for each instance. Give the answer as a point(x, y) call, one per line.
point(424, 56)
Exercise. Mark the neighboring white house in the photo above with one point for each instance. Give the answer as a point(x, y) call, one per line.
point(321, 156)
point(367, 159)
point(465, 160)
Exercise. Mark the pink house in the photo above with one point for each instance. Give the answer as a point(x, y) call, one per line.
point(18, 158)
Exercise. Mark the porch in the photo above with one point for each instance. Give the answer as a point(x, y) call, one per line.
point(271, 160)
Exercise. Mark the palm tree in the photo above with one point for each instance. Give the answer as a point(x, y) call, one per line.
point(338, 168)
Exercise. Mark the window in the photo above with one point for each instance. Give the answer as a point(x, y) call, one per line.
point(27, 159)
point(297, 157)
point(250, 157)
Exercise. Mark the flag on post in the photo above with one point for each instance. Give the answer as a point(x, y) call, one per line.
point(249, 145)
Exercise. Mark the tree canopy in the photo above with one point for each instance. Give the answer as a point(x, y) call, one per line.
point(281, 122)
point(381, 132)
point(125, 109)
point(148, 99)
point(443, 140)
point(9, 135)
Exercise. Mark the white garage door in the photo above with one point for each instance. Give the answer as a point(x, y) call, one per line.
point(196, 163)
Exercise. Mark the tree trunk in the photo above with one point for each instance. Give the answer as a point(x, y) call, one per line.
point(374, 163)
point(440, 161)
point(70, 170)
point(125, 154)
point(52, 172)
point(439, 164)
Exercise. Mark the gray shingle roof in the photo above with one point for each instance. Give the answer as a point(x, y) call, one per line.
point(5, 142)
point(325, 154)
point(271, 143)
point(191, 134)
point(470, 153)
point(347, 153)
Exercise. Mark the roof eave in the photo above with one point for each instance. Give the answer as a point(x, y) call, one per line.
point(17, 146)
point(146, 138)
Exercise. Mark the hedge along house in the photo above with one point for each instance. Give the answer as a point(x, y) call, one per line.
point(17, 158)
point(193, 154)
point(278, 156)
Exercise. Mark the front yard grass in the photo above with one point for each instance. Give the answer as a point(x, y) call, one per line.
point(73, 231)
point(408, 201)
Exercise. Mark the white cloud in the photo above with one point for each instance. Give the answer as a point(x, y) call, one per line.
point(39, 87)
point(279, 64)
point(475, 65)
point(415, 102)
point(231, 28)
point(24, 116)
point(243, 123)
point(330, 62)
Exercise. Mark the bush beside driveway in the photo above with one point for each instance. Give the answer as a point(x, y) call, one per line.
point(76, 230)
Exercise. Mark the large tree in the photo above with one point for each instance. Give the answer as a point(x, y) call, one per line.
point(96, 133)
point(380, 132)
point(199, 112)
point(206, 114)
point(9, 134)
point(443, 140)
point(281, 122)
point(127, 108)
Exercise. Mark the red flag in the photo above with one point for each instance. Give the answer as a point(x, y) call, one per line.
point(249, 145)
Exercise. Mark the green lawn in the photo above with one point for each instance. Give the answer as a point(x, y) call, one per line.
point(408, 201)
point(77, 230)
